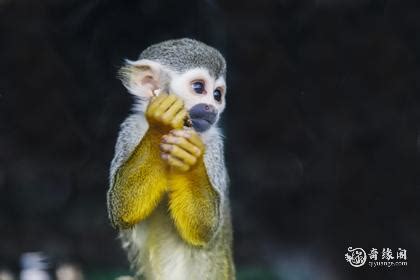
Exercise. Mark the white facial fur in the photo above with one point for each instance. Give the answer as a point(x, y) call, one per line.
point(181, 85)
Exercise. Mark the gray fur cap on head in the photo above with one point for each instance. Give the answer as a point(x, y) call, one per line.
point(184, 54)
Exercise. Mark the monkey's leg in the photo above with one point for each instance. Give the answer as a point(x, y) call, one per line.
point(139, 184)
point(193, 202)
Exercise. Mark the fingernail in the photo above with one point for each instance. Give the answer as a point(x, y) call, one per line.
point(166, 147)
point(164, 156)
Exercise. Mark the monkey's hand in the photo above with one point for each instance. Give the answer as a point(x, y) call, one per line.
point(193, 202)
point(166, 112)
point(182, 149)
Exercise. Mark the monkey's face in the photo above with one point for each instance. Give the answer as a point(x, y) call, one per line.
point(203, 96)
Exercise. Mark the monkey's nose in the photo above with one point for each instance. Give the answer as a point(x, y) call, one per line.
point(209, 108)
point(203, 108)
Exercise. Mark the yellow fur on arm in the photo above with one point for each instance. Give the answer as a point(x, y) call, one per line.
point(139, 183)
point(193, 204)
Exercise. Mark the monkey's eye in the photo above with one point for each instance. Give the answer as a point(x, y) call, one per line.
point(217, 95)
point(198, 87)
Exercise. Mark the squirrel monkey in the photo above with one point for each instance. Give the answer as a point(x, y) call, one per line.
point(168, 181)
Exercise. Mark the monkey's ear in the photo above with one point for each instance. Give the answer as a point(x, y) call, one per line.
point(142, 77)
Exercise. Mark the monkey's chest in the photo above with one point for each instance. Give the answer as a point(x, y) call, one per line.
point(162, 253)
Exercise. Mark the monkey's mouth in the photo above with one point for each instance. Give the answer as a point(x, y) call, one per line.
point(202, 122)
point(200, 125)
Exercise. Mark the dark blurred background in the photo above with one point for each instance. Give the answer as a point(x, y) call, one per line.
point(322, 127)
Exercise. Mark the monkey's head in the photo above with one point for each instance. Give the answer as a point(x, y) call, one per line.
point(188, 68)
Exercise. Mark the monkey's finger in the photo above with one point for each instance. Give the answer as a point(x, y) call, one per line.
point(191, 136)
point(185, 133)
point(178, 120)
point(164, 105)
point(183, 143)
point(179, 153)
point(171, 112)
point(155, 102)
point(196, 139)
point(176, 163)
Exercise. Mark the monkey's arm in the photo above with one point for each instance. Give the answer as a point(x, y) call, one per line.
point(139, 184)
point(193, 200)
point(194, 205)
